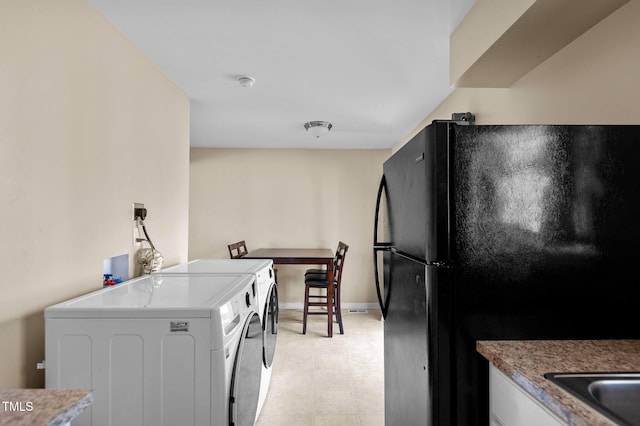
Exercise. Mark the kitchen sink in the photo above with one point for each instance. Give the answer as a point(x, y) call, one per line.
point(616, 395)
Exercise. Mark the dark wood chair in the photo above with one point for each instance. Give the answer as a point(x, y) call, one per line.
point(237, 250)
point(322, 270)
point(320, 281)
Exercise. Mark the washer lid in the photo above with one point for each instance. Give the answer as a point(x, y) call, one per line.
point(155, 296)
point(217, 266)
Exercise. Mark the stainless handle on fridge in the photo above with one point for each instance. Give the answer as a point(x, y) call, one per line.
point(379, 246)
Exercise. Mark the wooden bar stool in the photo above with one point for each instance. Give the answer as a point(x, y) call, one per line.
point(320, 281)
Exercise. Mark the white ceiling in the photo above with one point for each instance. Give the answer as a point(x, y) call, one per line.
point(373, 68)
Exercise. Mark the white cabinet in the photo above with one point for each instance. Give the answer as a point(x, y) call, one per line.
point(510, 405)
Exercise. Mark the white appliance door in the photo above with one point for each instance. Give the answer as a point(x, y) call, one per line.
point(247, 375)
point(270, 325)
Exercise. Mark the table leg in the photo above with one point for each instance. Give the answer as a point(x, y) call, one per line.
point(330, 291)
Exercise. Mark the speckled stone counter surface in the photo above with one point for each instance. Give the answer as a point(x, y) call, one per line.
point(41, 407)
point(526, 362)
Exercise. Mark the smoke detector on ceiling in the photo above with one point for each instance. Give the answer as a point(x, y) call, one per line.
point(246, 81)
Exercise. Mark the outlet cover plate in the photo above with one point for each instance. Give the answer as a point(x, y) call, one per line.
point(137, 206)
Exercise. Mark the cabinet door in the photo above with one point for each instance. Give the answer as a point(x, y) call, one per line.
point(510, 405)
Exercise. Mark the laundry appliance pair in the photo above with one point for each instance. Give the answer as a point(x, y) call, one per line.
point(164, 349)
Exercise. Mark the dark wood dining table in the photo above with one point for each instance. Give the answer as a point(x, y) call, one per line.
point(302, 256)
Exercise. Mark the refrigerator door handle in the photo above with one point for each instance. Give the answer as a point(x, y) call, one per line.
point(436, 263)
point(383, 305)
point(382, 189)
point(379, 246)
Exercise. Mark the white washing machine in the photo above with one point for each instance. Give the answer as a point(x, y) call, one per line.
point(160, 350)
point(267, 301)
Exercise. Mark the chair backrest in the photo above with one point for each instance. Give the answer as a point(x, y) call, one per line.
point(237, 250)
point(338, 262)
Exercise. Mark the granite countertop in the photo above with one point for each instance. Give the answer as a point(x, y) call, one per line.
point(526, 362)
point(41, 407)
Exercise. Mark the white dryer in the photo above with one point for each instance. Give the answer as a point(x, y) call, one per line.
point(262, 269)
point(160, 350)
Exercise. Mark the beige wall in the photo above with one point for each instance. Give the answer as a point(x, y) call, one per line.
point(592, 80)
point(288, 198)
point(88, 126)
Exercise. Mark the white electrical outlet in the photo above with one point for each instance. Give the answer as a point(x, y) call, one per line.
point(136, 208)
point(136, 229)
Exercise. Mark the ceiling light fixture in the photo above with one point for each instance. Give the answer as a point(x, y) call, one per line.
point(318, 128)
point(246, 81)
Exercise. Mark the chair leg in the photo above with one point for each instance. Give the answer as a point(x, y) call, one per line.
point(306, 309)
point(338, 308)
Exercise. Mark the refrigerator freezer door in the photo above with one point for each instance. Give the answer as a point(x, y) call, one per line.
point(417, 184)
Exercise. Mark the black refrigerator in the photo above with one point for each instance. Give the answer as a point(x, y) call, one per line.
point(498, 233)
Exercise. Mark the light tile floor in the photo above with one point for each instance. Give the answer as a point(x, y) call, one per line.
point(321, 381)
